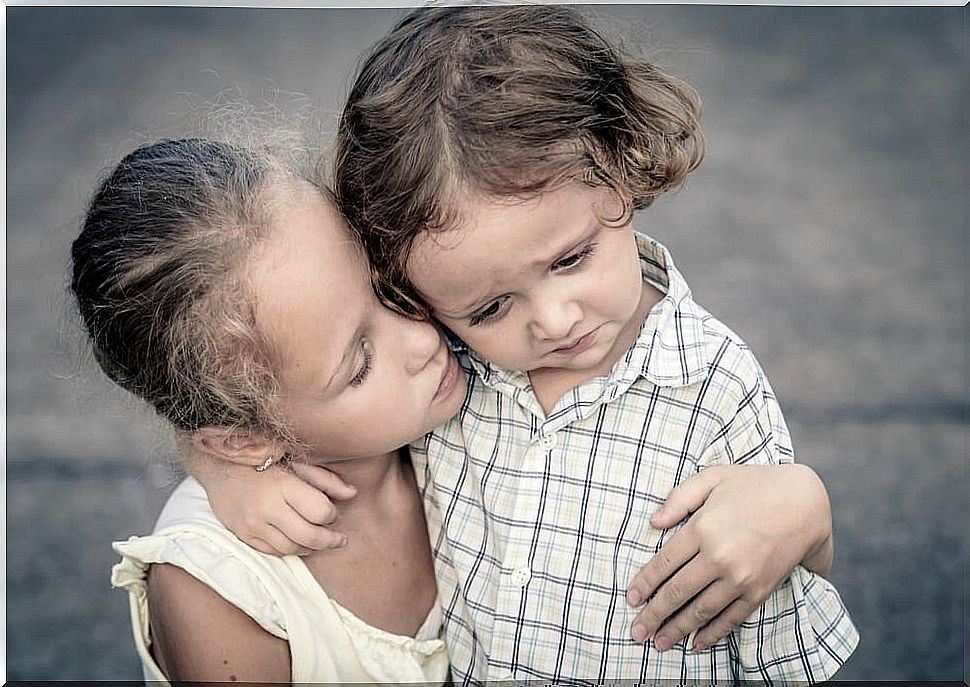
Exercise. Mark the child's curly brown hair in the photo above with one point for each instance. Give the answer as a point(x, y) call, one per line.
point(501, 102)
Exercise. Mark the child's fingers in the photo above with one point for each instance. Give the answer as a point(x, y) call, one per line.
point(310, 536)
point(275, 543)
point(687, 497)
point(696, 614)
point(730, 618)
point(672, 595)
point(324, 480)
point(312, 505)
point(679, 549)
point(261, 545)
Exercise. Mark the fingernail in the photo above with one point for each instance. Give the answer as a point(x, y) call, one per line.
point(343, 541)
point(639, 633)
point(700, 646)
point(663, 642)
point(633, 597)
point(660, 511)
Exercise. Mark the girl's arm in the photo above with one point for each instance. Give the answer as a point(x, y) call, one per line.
point(753, 524)
point(199, 637)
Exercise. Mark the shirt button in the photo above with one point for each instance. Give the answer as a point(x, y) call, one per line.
point(521, 576)
point(548, 442)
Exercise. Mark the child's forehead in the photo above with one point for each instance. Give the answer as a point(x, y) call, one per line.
point(499, 238)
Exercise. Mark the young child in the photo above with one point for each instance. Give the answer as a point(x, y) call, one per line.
point(491, 159)
point(227, 292)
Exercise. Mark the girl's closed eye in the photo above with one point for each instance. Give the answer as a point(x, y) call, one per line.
point(366, 359)
point(574, 259)
point(490, 313)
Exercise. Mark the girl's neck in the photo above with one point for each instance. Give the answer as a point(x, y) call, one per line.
point(377, 480)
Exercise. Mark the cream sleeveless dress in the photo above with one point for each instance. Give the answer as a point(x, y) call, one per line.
point(327, 642)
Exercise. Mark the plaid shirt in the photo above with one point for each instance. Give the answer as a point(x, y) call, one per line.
point(539, 521)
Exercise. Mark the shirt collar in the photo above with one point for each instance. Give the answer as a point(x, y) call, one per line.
point(668, 351)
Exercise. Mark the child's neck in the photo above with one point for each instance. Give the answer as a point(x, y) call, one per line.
point(550, 384)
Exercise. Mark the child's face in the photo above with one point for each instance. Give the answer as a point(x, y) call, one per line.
point(358, 380)
point(534, 285)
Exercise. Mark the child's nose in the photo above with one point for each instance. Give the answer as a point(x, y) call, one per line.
point(555, 319)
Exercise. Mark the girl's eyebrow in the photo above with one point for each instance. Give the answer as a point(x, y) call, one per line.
point(346, 357)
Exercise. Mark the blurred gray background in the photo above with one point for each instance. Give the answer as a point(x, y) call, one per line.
point(827, 226)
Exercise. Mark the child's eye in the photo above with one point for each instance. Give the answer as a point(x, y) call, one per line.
point(492, 311)
point(574, 259)
point(366, 358)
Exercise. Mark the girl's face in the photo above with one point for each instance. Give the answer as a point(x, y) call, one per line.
point(358, 380)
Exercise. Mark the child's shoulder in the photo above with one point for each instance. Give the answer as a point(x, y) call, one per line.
point(731, 361)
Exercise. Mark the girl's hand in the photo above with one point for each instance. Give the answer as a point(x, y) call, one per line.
point(280, 511)
point(753, 525)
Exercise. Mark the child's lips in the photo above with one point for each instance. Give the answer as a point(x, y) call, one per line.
point(579, 345)
point(448, 377)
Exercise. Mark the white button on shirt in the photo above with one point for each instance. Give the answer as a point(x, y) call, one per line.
point(548, 442)
point(521, 576)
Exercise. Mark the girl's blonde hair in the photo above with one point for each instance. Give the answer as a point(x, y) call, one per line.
point(159, 280)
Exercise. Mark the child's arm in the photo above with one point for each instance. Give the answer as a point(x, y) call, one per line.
point(199, 637)
point(753, 524)
point(280, 511)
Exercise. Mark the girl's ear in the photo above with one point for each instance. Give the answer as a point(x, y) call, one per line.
point(236, 446)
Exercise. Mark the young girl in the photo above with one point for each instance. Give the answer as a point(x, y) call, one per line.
point(491, 159)
point(227, 292)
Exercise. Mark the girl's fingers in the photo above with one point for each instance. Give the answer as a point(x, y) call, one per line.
point(687, 497)
point(672, 595)
point(324, 480)
point(679, 549)
point(730, 618)
point(695, 614)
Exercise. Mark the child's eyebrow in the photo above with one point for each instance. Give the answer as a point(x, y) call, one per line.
point(574, 244)
point(464, 311)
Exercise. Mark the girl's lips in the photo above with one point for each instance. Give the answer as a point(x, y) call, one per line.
point(580, 345)
point(448, 377)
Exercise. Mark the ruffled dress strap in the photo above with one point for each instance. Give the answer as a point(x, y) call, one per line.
point(326, 642)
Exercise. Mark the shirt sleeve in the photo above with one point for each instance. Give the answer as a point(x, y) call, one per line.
point(802, 632)
point(754, 430)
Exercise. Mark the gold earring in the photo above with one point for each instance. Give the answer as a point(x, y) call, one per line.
point(265, 466)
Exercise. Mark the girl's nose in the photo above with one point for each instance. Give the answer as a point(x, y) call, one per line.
point(419, 341)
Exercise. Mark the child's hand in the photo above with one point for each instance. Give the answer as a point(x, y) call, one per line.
point(753, 525)
point(280, 511)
